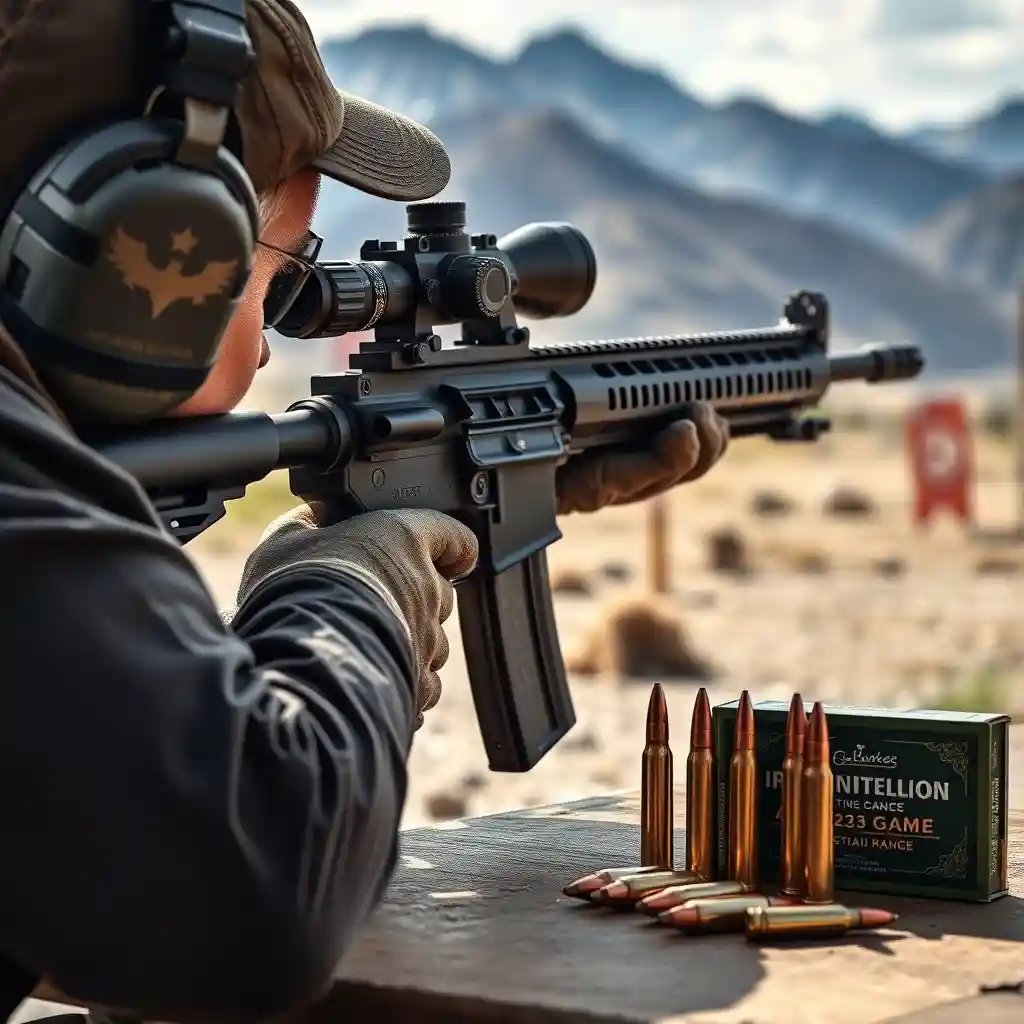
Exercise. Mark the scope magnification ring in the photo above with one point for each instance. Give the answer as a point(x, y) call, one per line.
point(380, 294)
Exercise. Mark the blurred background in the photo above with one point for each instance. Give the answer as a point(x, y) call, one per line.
point(720, 154)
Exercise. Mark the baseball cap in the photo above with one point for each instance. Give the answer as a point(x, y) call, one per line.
point(65, 62)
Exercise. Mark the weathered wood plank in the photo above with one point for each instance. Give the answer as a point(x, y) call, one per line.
point(475, 928)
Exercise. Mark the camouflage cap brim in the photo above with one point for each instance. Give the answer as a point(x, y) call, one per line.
point(292, 116)
point(385, 154)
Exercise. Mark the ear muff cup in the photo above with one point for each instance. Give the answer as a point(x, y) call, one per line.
point(120, 269)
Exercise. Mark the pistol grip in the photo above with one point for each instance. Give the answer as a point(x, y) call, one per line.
point(516, 672)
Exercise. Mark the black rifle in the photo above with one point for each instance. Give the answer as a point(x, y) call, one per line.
point(477, 430)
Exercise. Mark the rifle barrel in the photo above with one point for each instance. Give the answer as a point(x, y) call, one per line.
point(235, 448)
point(875, 363)
point(241, 447)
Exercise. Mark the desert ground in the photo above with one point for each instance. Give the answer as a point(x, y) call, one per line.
point(788, 567)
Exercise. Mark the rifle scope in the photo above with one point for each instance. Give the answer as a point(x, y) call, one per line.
point(442, 275)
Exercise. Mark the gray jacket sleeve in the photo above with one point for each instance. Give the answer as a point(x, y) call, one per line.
point(196, 817)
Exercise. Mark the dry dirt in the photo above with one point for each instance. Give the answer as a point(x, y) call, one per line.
point(857, 606)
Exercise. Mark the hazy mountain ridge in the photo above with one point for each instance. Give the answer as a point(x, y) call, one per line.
point(671, 259)
point(994, 141)
point(768, 203)
point(841, 169)
point(865, 183)
point(979, 239)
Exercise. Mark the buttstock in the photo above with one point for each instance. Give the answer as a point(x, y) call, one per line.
point(515, 665)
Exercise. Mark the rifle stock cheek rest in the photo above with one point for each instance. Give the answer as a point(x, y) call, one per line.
point(516, 672)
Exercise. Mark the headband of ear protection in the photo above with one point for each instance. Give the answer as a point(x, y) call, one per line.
point(123, 259)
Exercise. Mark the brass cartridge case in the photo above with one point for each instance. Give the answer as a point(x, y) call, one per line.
point(799, 923)
point(656, 810)
point(816, 803)
point(791, 881)
point(677, 895)
point(631, 889)
point(700, 792)
point(726, 914)
point(583, 887)
point(743, 790)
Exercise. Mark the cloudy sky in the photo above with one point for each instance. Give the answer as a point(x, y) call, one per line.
point(898, 61)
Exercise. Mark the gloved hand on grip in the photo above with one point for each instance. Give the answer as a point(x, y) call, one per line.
point(683, 451)
point(410, 557)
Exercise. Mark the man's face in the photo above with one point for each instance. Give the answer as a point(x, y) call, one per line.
point(244, 348)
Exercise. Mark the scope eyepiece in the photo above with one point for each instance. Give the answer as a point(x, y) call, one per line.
point(337, 298)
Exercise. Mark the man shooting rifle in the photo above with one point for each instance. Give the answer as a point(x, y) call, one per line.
point(198, 815)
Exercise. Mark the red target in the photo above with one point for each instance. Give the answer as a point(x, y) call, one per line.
point(938, 446)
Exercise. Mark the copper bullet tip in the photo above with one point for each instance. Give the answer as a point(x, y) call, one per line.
point(655, 904)
point(612, 891)
point(796, 726)
point(816, 739)
point(657, 716)
point(743, 737)
point(700, 724)
point(680, 915)
point(582, 886)
point(871, 918)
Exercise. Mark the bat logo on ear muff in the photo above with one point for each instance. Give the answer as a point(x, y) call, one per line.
point(168, 284)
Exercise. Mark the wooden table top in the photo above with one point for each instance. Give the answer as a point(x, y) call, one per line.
point(475, 928)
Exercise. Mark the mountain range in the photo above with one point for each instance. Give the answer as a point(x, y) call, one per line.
point(979, 239)
point(706, 216)
point(842, 168)
point(995, 141)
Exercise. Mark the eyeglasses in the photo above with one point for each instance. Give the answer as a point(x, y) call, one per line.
point(288, 281)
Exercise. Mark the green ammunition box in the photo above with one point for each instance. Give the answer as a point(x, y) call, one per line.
point(920, 798)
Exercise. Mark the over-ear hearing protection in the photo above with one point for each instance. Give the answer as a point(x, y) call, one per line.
point(123, 259)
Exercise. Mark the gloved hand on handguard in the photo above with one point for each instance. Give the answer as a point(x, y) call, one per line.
point(411, 557)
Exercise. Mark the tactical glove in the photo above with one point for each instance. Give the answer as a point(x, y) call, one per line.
point(409, 557)
point(684, 451)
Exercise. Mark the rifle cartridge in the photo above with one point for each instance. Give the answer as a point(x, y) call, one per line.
point(700, 792)
point(656, 808)
point(816, 802)
point(727, 914)
point(677, 895)
point(583, 887)
point(781, 924)
point(792, 780)
point(743, 798)
point(626, 891)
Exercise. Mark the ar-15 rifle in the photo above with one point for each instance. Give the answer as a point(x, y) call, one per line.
point(477, 430)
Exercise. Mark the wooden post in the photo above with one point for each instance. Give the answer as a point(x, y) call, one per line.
point(658, 546)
